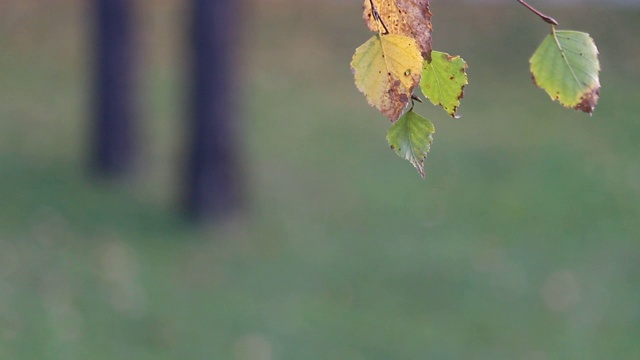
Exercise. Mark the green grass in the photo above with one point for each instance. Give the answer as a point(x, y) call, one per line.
point(522, 243)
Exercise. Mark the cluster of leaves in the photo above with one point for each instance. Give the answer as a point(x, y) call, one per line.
point(394, 61)
point(398, 58)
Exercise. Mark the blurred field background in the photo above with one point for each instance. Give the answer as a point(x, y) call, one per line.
point(522, 242)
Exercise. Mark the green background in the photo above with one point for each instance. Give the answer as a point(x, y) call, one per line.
point(522, 242)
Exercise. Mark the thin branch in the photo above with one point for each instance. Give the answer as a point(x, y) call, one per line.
point(545, 18)
point(376, 16)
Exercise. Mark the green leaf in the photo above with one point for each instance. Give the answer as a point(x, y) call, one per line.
point(411, 138)
point(566, 66)
point(443, 81)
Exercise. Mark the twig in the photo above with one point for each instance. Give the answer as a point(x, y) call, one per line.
point(376, 16)
point(545, 18)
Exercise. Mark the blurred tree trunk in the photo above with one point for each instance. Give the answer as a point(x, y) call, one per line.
point(214, 187)
point(112, 145)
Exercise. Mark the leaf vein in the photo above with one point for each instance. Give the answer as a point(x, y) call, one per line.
point(581, 55)
point(564, 57)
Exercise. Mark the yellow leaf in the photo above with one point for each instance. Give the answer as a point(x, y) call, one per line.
point(386, 69)
point(410, 18)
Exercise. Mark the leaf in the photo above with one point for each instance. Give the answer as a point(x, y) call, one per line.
point(411, 138)
point(386, 69)
point(410, 18)
point(443, 81)
point(566, 66)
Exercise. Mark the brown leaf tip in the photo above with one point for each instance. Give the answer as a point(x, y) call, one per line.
point(589, 101)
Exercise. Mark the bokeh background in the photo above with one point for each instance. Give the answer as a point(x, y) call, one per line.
point(522, 242)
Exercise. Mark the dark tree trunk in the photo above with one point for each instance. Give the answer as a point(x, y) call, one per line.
point(112, 145)
point(213, 176)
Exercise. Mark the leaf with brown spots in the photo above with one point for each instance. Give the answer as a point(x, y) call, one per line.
point(410, 18)
point(386, 69)
point(566, 66)
point(443, 81)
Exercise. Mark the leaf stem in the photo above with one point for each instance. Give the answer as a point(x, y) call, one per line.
point(545, 18)
point(376, 16)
